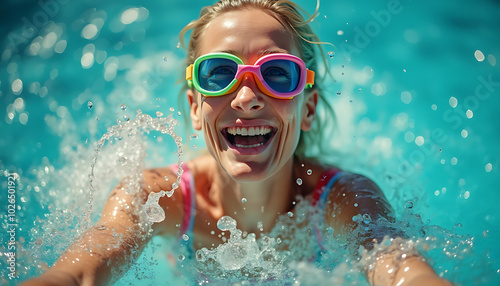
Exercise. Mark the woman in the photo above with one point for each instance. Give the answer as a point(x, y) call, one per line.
point(251, 74)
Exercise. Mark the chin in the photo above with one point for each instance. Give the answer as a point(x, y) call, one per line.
point(247, 172)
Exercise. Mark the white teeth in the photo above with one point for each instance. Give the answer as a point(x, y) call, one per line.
point(251, 131)
point(249, 146)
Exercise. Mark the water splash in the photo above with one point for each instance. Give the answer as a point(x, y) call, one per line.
point(143, 123)
point(242, 256)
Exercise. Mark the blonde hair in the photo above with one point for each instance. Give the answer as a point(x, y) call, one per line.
point(307, 42)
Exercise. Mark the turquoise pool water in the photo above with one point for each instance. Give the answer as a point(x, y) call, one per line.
point(416, 92)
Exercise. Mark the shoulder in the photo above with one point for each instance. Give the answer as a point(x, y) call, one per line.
point(354, 194)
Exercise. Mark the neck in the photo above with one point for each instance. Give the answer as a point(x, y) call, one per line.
point(255, 205)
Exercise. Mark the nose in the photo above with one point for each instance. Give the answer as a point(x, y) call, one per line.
point(248, 97)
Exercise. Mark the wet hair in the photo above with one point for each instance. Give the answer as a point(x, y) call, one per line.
point(311, 143)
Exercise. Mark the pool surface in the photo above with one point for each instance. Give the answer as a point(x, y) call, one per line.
point(416, 92)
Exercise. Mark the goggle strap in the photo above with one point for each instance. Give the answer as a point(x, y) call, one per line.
point(310, 79)
point(189, 72)
point(189, 76)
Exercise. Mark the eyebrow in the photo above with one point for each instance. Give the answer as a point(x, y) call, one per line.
point(272, 51)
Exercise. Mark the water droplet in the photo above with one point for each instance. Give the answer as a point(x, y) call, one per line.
point(90, 105)
point(466, 194)
point(171, 109)
point(309, 172)
point(226, 223)
point(366, 218)
point(479, 55)
point(194, 136)
point(464, 133)
point(181, 257)
point(165, 58)
point(126, 117)
point(185, 237)
point(178, 45)
point(175, 185)
point(154, 212)
point(123, 107)
point(338, 92)
point(404, 70)
point(488, 167)
point(355, 205)
point(244, 200)
point(179, 113)
point(406, 97)
point(331, 54)
point(17, 86)
point(409, 205)
point(289, 214)
point(166, 178)
point(299, 181)
point(419, 140)
point(122, 160)
point(469, 113)
point(453, 102)
point(159, 114)
point(170, 193)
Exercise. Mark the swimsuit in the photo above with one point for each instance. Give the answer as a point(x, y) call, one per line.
point(323, 187)
point(320, 195)
point(188, 193)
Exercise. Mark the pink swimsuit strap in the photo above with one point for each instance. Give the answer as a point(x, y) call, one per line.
point(188, 194)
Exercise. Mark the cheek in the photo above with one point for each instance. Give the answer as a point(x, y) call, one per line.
point(211, 109)
point(289, 109)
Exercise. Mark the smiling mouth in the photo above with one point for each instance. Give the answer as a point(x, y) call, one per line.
point(248, 137)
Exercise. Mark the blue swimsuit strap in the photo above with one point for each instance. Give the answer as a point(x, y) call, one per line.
point(321, 206)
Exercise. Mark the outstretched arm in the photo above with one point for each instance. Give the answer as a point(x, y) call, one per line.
point(354, 194)
point(105, 251)
point(106, 246)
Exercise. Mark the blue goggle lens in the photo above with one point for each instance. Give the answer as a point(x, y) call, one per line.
point(216, 74)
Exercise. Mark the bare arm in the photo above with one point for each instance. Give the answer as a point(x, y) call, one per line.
point(105, 252)
point(354, 194)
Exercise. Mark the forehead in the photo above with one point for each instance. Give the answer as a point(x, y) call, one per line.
point(246, 33)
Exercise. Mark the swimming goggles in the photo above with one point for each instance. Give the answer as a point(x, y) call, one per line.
point(278, 75)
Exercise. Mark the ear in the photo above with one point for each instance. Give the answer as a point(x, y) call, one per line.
point(194, 109)
point(309, 110)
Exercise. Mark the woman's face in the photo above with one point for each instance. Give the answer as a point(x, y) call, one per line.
point(272, 126)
